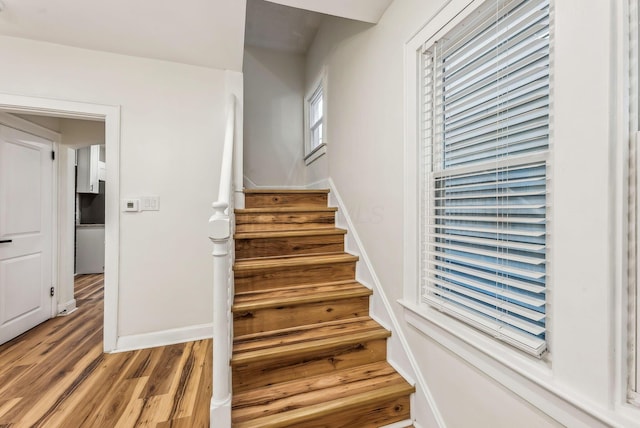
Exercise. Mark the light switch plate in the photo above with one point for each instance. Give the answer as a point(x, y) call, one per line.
point(150, 203)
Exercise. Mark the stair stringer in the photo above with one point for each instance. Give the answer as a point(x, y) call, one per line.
point(424, 410)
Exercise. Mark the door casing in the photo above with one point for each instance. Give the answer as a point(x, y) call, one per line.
point(62, 235)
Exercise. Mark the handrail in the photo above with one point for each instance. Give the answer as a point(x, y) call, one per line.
point(226, 174)
point(220, 233)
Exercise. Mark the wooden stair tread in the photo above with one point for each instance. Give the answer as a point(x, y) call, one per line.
point(296, 394)
point(265, 210)
point(305, 340)
point(304, 332)
point(292, 261)
point(290, 191)
point(307, 293)
point(327, 408)
point(266, 234)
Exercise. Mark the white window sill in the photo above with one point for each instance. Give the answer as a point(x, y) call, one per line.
point(526, 376)
point(315, 154)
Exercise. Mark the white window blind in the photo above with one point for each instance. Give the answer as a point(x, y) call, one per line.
point(485, 139)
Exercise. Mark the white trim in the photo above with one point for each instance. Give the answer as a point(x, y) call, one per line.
point(633, 334)
point(67, 308)
point(534, 386)
point(621, 135)
point(134, 342)
point(111, 117)
point(315, 154)
point(401, 424)
point(398, 350)
point(66, 224)
point(323, 183)
point(249, 184)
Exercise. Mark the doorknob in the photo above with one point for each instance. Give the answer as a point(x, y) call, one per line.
point(5, 241)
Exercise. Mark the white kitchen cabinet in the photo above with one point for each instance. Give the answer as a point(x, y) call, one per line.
point(90, 169)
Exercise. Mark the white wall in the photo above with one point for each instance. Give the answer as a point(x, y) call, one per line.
point(171, 132)
point(273, 124)
point(583, 383)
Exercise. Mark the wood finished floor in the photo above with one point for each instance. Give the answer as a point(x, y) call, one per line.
point(56, 375)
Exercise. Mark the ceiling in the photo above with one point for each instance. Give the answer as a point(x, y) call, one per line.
point(207, 33)
point(281, 28)
point(359, 10)
point(291, 25)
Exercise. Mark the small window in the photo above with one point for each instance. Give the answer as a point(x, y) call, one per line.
point(315, 124)
point(315, 120)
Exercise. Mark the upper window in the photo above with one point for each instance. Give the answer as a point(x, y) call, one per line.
point(485, 138)
point(315, 119)
point(315, 124)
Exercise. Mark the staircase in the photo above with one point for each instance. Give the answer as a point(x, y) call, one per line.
point(305, 351)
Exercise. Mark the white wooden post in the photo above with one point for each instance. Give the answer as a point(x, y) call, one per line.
point(220, 234)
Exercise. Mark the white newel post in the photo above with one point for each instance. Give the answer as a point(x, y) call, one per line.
point(220, 234)
point(221, 228)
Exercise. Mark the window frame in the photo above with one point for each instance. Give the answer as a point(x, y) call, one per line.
point(633, 259)
point(433, 323)
point(436, 291)
point(318, 89)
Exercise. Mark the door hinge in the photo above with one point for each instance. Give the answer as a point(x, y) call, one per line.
point(52, 291)
point(53, 155)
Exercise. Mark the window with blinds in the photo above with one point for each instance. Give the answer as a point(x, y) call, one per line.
point(485, 134)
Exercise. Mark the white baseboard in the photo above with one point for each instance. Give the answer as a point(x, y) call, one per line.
point(250, 184)
point(163, 338)
point(320, 184)
point(401, 424)
point(67, 307)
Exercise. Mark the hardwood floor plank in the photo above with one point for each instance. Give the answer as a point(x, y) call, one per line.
point(189, 382)
point(162, 375)
point(6, 405)
point(134, 408)
point(56, 375)
point(146, 360)
point(102, 385)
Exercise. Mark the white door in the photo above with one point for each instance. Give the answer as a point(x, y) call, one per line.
point(26, 188)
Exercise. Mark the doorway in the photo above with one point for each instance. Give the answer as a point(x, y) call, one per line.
point(64, 196)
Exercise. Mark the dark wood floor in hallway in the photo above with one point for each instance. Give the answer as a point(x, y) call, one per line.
point(56, 375)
